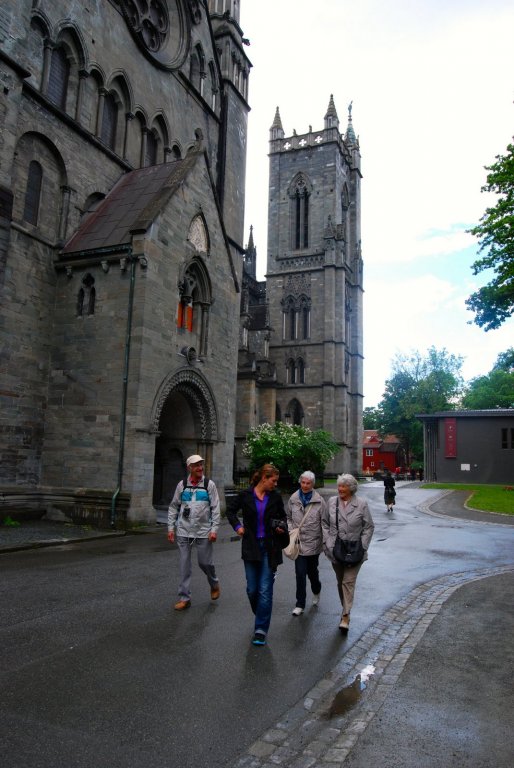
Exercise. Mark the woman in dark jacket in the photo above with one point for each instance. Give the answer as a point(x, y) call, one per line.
point(389, 491)
point(264, 534)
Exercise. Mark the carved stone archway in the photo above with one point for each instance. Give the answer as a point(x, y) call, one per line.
point(186, 420)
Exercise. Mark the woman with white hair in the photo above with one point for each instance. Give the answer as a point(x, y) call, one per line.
point(304, 511)
point(348, 519)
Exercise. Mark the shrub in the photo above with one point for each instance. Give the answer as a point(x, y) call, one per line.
point(291, 448)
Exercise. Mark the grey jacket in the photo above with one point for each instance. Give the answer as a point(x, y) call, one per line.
point(355, 521)
point(195, 512)
point(311, 535)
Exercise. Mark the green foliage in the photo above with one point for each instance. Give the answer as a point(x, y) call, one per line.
point(495, 390)
point(10, 523)
point(291, 448)
point(371, 418)
point(419, 384)
point(494, 303)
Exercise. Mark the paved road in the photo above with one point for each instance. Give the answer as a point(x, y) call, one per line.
point(97, 670)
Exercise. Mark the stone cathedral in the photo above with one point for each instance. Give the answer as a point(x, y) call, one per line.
point(301, 351)
point(133, 331)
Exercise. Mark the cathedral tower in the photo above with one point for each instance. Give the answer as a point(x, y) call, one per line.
point(314, 281)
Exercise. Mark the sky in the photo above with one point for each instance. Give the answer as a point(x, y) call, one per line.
point(432, 87)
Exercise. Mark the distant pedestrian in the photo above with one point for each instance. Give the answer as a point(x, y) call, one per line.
point(347, 518)
point(304, 510)
point(194, 513)
point(389, 491)
point(264, 534)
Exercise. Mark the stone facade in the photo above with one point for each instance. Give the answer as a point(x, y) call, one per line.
point(122, 146)
point(301, 360)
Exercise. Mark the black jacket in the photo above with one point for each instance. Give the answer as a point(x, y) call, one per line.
point(244, 503)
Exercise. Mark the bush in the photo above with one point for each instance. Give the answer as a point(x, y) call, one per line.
point(291, 448)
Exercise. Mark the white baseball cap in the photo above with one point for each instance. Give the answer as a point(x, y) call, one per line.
point(194, 459)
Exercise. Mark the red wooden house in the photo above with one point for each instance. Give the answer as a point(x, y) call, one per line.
point(379, 454)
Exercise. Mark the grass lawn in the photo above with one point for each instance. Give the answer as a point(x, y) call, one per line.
point(488, 498)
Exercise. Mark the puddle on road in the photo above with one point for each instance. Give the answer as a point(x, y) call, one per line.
point(349, 696)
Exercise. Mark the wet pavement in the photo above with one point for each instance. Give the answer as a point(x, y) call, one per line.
point(426, 682)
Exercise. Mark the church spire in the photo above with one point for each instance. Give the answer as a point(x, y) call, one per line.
point(250, 256)
point(331, 118)
point(350, 136)
point(276, 130)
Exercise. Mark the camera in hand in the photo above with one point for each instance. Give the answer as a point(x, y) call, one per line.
point(276, 523)
point(186, 513)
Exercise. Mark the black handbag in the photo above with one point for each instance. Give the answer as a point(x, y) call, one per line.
point(347, 552)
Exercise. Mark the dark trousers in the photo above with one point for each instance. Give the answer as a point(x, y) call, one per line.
point(306, 566)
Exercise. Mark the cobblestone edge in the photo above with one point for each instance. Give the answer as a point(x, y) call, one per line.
point(306, 736)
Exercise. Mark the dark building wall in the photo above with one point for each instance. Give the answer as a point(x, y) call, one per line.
point(480, 457)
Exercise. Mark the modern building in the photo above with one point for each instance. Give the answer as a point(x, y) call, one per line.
point(300, 343)
point(122, 178)
point(469, 446)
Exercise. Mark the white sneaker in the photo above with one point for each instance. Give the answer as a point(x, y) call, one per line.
point(315, 599)
point(297, 611)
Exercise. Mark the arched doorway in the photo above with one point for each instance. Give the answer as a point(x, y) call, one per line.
point(185, 418)
point(294, 414)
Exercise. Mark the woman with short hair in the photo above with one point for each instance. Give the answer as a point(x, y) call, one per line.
point(304, 511)
point(348, 518)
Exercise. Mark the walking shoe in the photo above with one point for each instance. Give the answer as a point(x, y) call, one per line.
point(344, 624)
point(215, 591)
point(182, 605)
point(315, 599)
point(297, 611)
point(259, 639)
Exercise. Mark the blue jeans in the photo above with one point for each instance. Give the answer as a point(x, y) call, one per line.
point(306, 565)
point(259, 588)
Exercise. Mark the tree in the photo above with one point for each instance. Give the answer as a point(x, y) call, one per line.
point(495, 389)
point(291, 448)
point(419, 384)
point(494, 302)
point(371, 418)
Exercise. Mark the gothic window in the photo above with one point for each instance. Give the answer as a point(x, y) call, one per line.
point(109, 120)
point(151, 149)
point(290, 372)
point(299, 193)
point(194, 305)
point(300, 371)
point(197, 69)
point(304, 318)
point(58, 78)
point(33, 193)
point(86, 297)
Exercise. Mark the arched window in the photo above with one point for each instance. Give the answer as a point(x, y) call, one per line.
point(151, 149)
point(33, 193)
point(289, 319)
point(299, 194)
point(290, 372)
point(58, 78)
point(194, 305)
point(300, 371)
point(109, 120)
point(86, 297)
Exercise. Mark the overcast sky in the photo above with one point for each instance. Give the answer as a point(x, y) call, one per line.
point(432, 88)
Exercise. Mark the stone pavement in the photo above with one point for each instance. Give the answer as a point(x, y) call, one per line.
point(401, 696)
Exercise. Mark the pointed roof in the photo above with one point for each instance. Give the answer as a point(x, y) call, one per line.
point(331, 110)
point(131, 206)
point(350, 136)
point(277, 122)
point(250, 239)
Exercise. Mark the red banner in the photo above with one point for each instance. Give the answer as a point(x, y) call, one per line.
point(450, 438)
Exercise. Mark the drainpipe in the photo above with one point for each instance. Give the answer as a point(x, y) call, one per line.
point(128, 335)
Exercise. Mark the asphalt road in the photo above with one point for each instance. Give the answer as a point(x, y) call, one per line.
point(98, 670)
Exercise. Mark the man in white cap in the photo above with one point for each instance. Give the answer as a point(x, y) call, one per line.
point(194, 513)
